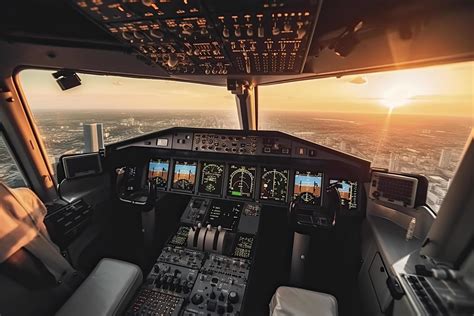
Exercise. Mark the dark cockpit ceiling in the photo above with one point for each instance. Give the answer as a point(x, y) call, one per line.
point(265, 41)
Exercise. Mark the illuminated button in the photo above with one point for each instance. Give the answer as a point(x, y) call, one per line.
point(300, 151)
point(162, 142)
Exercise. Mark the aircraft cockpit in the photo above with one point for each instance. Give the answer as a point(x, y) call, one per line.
point(204, 157)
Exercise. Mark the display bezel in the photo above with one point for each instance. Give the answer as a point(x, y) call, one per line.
point(223, 177)
point(263, 171)
point(155, 159)
point(184, 162)
point(314, 173)
point(228, 178)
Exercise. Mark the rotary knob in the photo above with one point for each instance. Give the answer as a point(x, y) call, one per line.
point(197, 299)
point(233, 297)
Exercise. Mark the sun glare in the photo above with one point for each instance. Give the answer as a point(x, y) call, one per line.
point(397, 97)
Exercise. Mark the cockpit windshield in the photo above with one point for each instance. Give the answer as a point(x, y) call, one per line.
point(408, 121)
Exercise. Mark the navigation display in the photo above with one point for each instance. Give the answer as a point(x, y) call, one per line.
point(158, 170)
point(211, 179)
point(274, 184)
point(347, 192)
point(241, 181)
point(308, 187)
point(184, 176)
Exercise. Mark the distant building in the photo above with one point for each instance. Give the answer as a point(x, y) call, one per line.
point(343, 146)
point(93, 137)
point(394, 164)
point(445, 158)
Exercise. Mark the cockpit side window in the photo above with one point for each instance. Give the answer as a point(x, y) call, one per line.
point(10, 172)
point(121, 107)
point(407, 121)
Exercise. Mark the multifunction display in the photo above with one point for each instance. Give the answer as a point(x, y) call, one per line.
point(158, 170)
point(184, 176)
point(225, 214)
point(347, 193)
point(241, 181)
point(308, 187)
point(211, 180)
point(274, 184)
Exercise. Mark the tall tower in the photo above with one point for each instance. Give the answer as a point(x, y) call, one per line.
point(93, 137)
point(445, 158)
point(394, 164)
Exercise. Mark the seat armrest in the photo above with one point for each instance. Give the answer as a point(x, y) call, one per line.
point(106, 291)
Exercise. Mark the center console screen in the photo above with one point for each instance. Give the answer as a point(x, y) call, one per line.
point(158, 170)
point(225, 214)
point(308, 187)
point(184, 176)
point(347, 192)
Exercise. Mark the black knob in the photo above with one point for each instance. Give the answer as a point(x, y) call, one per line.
point(156, 268)
point(212, 296)
point(233, 297)
point(230, 308)
point(197, 299)
point(221, 297)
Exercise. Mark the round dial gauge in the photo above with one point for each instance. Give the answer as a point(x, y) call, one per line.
point(307, 197)
point(160, 182)
point(183, 184)
point(211, 178)
point(274, 185)
point(241, 181)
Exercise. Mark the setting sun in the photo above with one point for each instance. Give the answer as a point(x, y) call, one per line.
point(397, 97)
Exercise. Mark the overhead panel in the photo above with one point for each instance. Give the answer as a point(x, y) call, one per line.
point(211, 37)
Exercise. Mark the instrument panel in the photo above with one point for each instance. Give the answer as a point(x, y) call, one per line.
point(268, 184)
point(281, 169)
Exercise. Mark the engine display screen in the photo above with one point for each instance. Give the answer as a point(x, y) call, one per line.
point(184, 176)
point(225, 214)
point(212, 176)
point(158, 170)
point(347, 192)
point(241, 181)
point(308, 187)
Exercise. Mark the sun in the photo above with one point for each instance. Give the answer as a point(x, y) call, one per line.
point(396, 97)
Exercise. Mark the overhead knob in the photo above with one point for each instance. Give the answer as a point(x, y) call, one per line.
point(221, 297)
point(138, 35)
point(249, 31)
point(287, 27)
point(233, 297)
point(300, 33)
point(237, 31)
point(225, 32)
point(127, 36)
point(156, 34)
point(275, 30)
point(172, 60)
point(197, 299)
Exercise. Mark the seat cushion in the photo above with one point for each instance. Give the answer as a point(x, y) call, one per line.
point(289, 301)
point(106, 291)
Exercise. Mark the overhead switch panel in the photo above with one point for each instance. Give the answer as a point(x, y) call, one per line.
point(211, 37)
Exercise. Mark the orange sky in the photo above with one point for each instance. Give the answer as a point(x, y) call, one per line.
point(439, 90)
